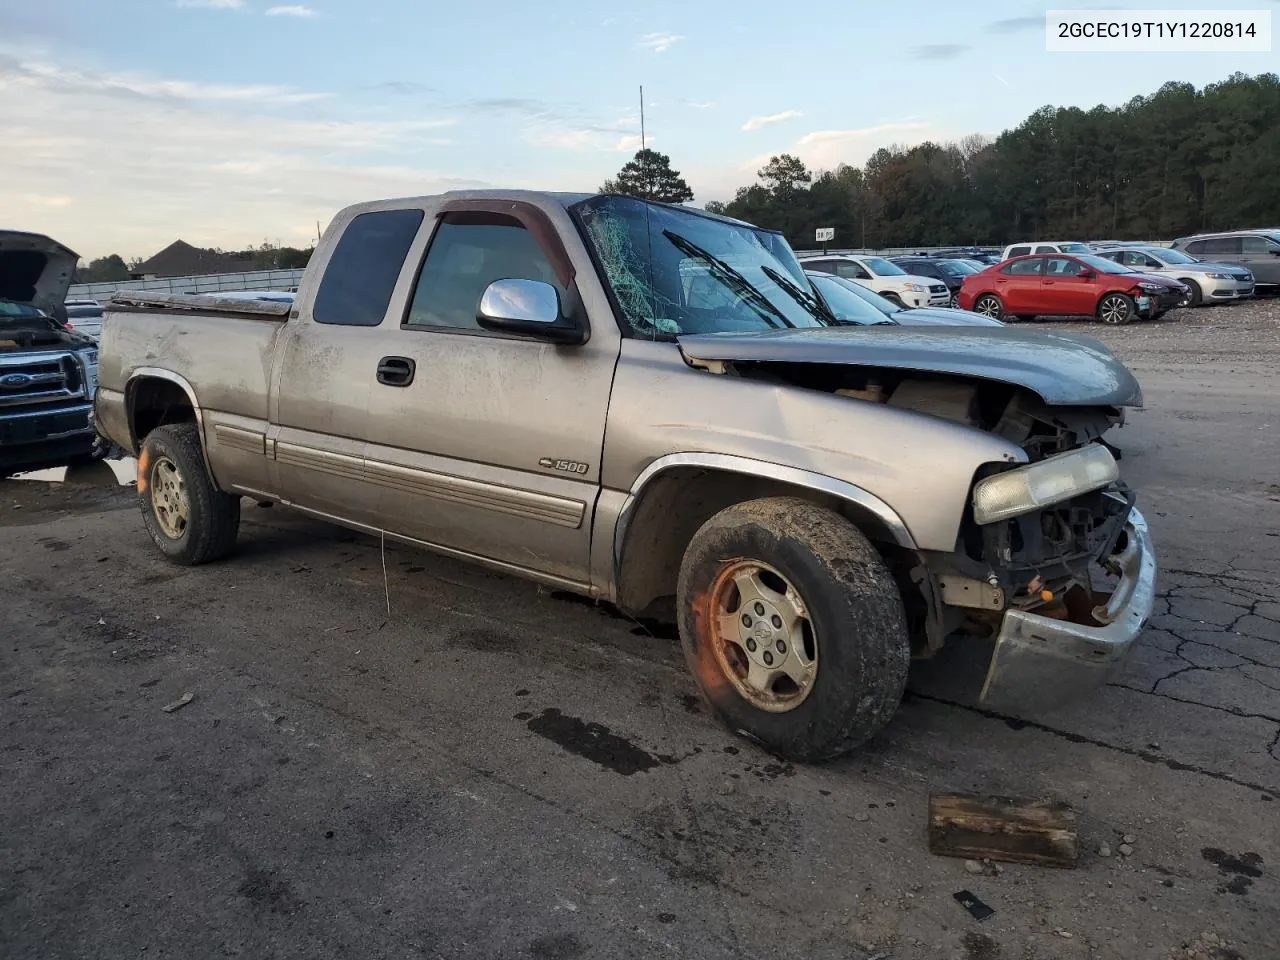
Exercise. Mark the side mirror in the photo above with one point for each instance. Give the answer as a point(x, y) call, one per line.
point(527, 307)
point(1087, 274)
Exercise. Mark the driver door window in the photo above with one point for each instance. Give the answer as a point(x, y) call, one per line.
point(467, 253)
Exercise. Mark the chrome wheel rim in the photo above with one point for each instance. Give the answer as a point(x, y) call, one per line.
point(764, 640)
point(988, 307)
point(1114, 310)
point(169, 501)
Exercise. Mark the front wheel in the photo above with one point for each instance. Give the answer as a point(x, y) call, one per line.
point(188, 518)
point(1194, 298)
point(989, 306)
point(793, 627)
point(1117, 309)
point(894, 299)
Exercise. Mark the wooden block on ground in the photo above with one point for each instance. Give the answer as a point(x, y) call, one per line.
point(1040, 832)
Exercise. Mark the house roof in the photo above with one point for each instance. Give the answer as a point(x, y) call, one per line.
point(181, 259)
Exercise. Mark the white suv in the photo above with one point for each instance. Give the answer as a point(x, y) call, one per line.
point(885, 278)
point(1045, 246)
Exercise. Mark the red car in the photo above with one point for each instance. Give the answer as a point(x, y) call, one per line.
point(1064, 285)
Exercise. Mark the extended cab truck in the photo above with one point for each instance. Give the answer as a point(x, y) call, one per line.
point(47, 372)
point(636, 402)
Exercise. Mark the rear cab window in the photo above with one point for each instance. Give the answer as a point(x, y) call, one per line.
point(362, 271)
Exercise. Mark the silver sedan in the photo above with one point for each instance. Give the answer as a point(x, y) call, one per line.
point(1208, 282)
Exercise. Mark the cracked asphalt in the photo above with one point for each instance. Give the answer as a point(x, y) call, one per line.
point(492, 770)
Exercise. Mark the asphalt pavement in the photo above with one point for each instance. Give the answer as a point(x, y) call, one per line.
point(494, 770)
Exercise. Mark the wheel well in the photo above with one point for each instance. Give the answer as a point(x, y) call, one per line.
point(153, 402)
point(677, 502)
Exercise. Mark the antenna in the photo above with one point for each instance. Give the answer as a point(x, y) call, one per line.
point(642, 117)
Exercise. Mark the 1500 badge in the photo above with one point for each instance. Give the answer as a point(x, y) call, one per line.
point(564, 466)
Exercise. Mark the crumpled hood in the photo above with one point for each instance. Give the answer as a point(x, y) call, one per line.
point(1062, 369)
point(35, 269)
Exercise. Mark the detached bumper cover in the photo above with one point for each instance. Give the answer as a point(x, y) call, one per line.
point(1041, 662)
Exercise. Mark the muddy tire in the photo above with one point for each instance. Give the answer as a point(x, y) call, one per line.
point(989, 305)
point(793, 627)
point(190, 520)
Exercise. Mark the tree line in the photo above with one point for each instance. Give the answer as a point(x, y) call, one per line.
point(1175, 162)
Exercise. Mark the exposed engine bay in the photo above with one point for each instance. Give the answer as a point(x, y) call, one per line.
point(1044, 561)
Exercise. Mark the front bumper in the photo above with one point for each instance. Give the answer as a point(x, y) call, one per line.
point(1040, 662)
point(1226, 289)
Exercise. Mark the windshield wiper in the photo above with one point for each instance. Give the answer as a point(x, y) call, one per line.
point(726, 274)
point(811, 303)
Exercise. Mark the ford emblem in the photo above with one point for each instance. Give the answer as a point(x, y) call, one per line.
point(14, 381)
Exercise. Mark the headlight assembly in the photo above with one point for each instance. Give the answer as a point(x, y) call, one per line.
point(1025, 489)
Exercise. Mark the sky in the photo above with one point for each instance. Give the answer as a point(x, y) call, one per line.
point(127, 124)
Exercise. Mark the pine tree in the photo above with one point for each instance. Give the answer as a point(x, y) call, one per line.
point(648, 175)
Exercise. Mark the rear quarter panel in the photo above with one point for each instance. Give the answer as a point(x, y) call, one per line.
point(224, 362)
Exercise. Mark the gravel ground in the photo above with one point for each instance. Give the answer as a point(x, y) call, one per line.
point(493, 770)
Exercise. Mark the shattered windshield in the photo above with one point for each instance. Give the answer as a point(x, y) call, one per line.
point(676, 271)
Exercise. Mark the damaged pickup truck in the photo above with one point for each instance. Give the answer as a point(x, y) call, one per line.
point(48, 372)
point(645, 403)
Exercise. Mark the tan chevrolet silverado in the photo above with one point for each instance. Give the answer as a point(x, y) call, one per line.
point(645, 403)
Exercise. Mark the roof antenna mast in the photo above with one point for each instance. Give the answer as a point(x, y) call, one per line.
point(642, 117)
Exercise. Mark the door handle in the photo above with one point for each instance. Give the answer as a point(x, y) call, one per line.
point(396, 371)
point(1049, 283)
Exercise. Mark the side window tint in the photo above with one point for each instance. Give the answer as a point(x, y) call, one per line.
point(1257, 245)
point(1223, 246)
point(1019, 251)
point(1024, 268)
point(1195, 248)
point(851, 271)
point(467, 253)
point(1063, 267)
point(362, 272)
point(1046, 248)
point(820, 266)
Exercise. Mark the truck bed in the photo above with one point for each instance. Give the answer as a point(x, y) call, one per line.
point(224, 349)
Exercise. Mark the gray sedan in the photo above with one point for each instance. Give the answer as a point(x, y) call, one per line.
point(1208, 281)
point(853, 303)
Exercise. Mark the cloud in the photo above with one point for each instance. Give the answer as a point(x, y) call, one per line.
point(827, 149)
point(210, 4)
point(659, 42)
point(1016, 24)
point(699, 104)
point(938, 51)
point(755, 123)
point(16, 74)
point(291, 10)
point(109, 168)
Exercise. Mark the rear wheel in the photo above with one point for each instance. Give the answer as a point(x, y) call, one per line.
point(793, 627)
point(188, 518)
point(1195, 297)
point(1116, 309)
point(989, 306)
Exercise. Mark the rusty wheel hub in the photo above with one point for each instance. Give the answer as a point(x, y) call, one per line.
point(763, 639)
point(169, 500)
